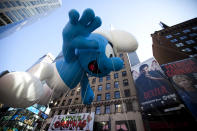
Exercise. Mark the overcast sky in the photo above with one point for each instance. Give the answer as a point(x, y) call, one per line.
point(139, 17)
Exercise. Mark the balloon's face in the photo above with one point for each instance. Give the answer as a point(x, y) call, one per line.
point(99, 62)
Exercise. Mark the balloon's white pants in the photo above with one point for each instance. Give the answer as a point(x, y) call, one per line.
point(39, 85)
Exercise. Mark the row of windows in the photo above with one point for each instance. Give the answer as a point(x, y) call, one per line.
point(107, 110)
point(124, 74)
point(184, 31)
point(188, 42)
point(99, 96)
point(116, 95)
point(116, 85)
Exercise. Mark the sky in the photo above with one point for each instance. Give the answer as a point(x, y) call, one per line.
point(23, 48)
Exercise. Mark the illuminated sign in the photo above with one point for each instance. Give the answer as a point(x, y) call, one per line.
point(72, 122)
point(22, 119)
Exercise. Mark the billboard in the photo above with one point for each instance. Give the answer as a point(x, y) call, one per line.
point(183, 75)
point(153, 88)
point(72, 122)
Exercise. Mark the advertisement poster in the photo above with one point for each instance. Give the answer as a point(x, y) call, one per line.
point(72, 122)
point(183, 75)
point(154, 90)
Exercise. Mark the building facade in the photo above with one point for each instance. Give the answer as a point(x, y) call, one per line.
point(176, 42)
point(14, 14)
point(115, 103)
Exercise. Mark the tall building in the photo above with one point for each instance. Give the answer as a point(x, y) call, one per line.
point(176, 42)
point(133, 58)
point(14, 14)
point(115, 104)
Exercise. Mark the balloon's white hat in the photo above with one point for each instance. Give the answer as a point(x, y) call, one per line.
point(122, 41)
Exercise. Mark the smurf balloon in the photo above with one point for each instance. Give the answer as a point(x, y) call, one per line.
point(86, 51)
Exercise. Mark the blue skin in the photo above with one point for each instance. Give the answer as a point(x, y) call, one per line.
point(80, 48)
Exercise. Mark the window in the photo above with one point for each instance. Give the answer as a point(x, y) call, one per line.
point(193, 55)
point(10, 16)
point(193, 34)
point(5, 18)
point(115, 75)
point(173, 40)
point(108, 77)
point(66, 111)
point(63, 103)
point(195, 47)
point(93, 80)
point(186, 31)
point(125, 82)
point(69, 101)
point(52, 113)
point(169, 36)
point(127, 93)
point(116, 94)
point(177, 33)
point(1, 6)
point(76, 100)
point(129, 106)
point(7, 4)
point(107, 86)
point(179, 45)
point(183, 37)
point(189, 42)
point(60, 111)
point(107, 96)
point(73, 92)
point(16, 15)
point(13, 3)
point(194, 28)
point(101, 79)
point(18, 3)
point(21, 13)
point(107, 109)
point(116, 84)
point(99, 97)
point(186, 50)
point(98, 110)
point(100, 88)
point(78, 92)
point(118, 107)
point(80, 110)
point(124, 73)
point(88, 109)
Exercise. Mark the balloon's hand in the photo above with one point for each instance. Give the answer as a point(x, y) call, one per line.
point(78, 29)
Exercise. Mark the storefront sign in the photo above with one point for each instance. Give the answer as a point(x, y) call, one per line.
point(72, 122)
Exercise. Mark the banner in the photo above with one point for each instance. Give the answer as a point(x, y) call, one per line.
point(154, 90)
point(183, 75)
point(72, 122)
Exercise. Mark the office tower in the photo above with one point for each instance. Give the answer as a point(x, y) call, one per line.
point(14, 14)
point(175, 42)
point(47, 58)
point(115, 103)
point(133, 58)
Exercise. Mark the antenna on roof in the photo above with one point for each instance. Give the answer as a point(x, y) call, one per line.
point(163, 26)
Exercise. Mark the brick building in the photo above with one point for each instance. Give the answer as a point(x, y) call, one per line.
point(176, 42)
